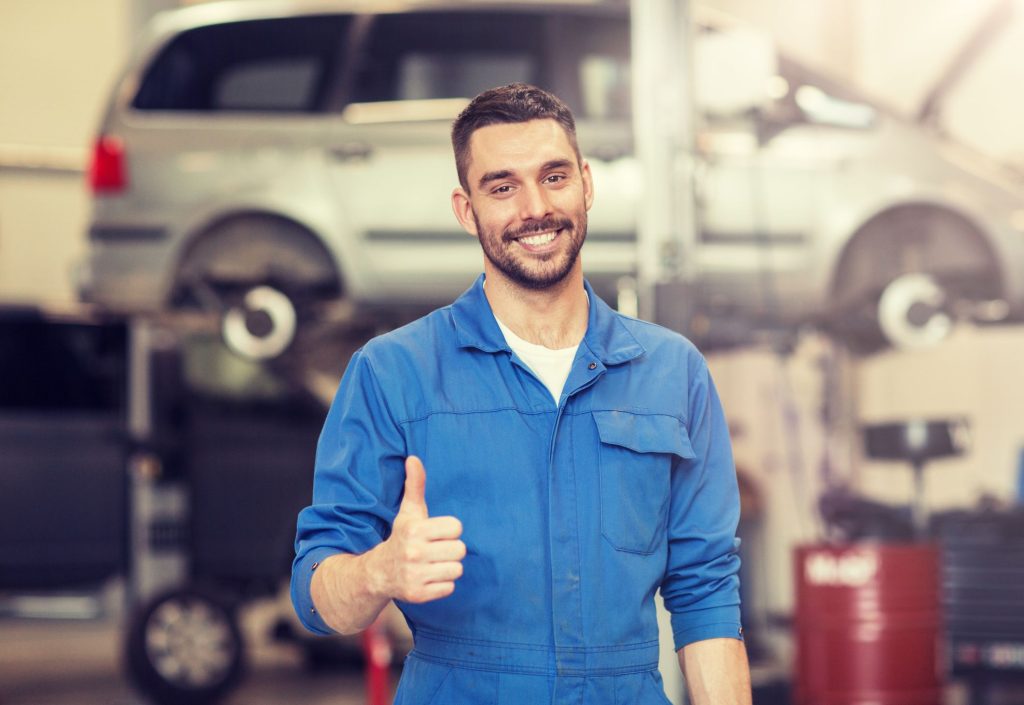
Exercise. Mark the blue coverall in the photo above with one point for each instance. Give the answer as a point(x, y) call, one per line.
point(573, 515)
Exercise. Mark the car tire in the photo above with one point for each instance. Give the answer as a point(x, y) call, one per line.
point(184, 647)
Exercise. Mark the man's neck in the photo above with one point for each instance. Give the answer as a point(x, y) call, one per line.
point(555, 318)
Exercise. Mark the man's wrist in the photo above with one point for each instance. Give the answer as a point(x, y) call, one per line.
point(374, 575)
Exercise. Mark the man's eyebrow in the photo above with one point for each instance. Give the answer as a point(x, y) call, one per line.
point(494, 176)
point(556, 164)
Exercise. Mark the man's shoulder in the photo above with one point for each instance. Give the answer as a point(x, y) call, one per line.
point(659, 341)
point(425, 335)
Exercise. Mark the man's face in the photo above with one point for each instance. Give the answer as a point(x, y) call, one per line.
point(527, 202)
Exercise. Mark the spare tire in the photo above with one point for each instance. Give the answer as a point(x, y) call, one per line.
point(184, 648)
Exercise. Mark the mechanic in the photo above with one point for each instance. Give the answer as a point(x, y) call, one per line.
point(522, 470)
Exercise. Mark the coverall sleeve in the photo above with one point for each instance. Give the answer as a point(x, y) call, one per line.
point(701, 584)
point(358, 479)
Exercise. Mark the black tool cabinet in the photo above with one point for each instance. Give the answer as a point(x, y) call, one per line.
point(116, 464)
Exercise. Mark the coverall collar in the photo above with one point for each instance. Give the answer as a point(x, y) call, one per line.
point(606, 336)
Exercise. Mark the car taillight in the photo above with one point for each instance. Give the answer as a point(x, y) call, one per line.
point(107, 172)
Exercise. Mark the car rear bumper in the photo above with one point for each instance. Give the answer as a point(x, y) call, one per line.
point(125, 273)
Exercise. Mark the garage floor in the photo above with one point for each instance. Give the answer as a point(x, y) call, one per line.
point(77, 663)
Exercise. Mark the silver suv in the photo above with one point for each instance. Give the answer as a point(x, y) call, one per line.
point(277, 157)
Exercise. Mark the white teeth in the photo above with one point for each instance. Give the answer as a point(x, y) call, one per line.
point(540, 239)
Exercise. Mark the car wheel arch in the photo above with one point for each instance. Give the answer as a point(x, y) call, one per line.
point(906, 273)
point(861, 252)
point(266, 236)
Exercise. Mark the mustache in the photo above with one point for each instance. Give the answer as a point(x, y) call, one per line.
point(538, 226)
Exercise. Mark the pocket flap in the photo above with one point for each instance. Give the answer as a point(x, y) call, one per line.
point(644, 433)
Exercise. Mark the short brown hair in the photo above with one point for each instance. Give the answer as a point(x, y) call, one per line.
point(516, 102)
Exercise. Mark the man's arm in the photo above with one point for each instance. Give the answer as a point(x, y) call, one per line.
point(419, 562)
point(716, 672)
point(701, 584)
point(343, 594)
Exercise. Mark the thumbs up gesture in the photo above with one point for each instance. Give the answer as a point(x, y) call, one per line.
point(422, 558)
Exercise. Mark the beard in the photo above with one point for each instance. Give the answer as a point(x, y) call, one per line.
point(535, 272)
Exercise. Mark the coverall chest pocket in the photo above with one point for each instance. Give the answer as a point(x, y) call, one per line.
point(636, 457)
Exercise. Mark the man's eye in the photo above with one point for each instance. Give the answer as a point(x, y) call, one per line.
point(555, 178)
point(505, 188)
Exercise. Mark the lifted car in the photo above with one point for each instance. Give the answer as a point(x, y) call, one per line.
point(273, 159)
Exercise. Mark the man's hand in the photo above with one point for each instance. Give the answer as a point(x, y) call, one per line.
point(422, 558)
point(419, 562)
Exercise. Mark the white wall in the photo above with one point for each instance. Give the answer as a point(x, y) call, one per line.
point(58, 61)
point(906, 46)
point(975, 374)
point(821, 34)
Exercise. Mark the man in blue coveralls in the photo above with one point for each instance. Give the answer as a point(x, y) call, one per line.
point(522, 470)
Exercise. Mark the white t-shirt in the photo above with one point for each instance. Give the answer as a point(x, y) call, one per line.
point(551, 366)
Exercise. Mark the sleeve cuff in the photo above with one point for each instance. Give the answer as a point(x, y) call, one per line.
point(711, 623)
point(302, 578)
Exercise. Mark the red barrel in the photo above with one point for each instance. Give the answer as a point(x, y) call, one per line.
point(868, 620)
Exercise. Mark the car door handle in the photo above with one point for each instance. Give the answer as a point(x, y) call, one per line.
point(350, 151)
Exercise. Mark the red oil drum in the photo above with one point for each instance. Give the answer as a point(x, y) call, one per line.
point(868, 625)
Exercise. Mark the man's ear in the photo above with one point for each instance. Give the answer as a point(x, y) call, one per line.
point(463, 210)
point(588, 184)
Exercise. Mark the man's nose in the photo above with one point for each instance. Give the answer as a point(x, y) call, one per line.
point(534, 203)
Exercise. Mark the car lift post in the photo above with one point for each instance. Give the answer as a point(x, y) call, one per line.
point(663, 128)
point(158, 508)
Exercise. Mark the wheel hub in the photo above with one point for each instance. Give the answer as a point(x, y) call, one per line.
point(189, 643)
point(911, 312)
point(262, 326)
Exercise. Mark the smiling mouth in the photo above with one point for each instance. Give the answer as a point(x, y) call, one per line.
point(540, 239)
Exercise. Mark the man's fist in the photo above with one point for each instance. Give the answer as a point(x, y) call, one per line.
point(422, 558)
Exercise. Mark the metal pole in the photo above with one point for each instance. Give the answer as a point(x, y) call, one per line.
point(153, 500)
point(918, 506)
point(663, 120)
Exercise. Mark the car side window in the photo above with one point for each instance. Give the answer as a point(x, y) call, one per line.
point(430, 55)
point(436, 55)
point(284, 64)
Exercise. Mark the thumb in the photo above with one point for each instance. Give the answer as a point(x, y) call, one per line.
point(415, 488)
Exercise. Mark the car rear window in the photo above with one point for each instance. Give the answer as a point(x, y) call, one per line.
point(265, 65)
